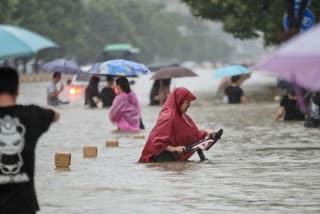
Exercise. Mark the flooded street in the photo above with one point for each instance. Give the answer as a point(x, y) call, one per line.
point(258, 166)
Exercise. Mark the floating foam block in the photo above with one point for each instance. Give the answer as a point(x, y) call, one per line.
point(112, 143)
point(90, 151)
point(138, 136)
point(63, 159)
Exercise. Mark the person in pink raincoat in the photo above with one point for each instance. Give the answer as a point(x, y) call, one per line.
point(125, 111)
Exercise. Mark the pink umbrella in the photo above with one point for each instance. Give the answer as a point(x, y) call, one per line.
point(297, 61)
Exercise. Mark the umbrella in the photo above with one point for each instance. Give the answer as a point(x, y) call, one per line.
point(157, 67)
point(232, 70)
point(18, 42)
point(62, 66)
point(172, 72)
point(297, 61)
point(118, 67)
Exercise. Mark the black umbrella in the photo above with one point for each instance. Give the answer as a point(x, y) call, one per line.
point(173, 72)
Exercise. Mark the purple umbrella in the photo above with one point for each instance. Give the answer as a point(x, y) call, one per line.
point(172, 72)
point(297, 61)
point(62, 66)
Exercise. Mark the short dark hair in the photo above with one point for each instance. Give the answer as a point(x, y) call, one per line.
point(94, 81)
point(110, 78)
point(56, 74)
point(291, 91)
point(235, 79)
point(9, 81)
point(124, 84)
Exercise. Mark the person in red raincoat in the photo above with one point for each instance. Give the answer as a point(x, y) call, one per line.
point(174, 130)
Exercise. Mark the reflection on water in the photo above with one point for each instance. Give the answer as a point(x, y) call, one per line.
point(258, 166)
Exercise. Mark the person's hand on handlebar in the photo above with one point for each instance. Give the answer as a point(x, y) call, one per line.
point(210, 133)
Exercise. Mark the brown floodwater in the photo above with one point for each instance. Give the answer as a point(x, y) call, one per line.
point(258, 166)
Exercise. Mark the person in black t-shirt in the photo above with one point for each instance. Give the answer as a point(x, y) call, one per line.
point(233, 93)
point(20, 128)
point(107, 94)
point(289, 109)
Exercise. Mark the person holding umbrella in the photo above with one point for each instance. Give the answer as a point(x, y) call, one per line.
point(233, 93)
point(161, 87)
point(160, 91)
point(53, 92)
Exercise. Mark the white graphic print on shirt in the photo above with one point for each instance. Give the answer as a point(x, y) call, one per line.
point(11, 145)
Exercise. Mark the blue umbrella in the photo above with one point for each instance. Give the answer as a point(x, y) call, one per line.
point(62, 66)
point(118, 67)
point(18, 42)
point(230, 71)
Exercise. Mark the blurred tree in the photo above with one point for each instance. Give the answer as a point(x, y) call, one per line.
point(59, 20)
point(246, 18)
point(7, 9)
point(82, 28)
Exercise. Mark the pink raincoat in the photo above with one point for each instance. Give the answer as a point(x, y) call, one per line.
point(125, 112)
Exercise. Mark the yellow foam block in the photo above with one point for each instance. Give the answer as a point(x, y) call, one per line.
point(63, 159)
point(138, 136)
point(112, 143)
point(90, 151)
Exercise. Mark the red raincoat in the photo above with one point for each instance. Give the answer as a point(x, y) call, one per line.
point(172, 128)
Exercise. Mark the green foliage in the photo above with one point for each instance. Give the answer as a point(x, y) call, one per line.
point(84, 27)
point(7, 8)
point(245, 19)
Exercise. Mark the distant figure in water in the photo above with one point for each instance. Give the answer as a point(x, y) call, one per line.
point(289, 109)
point(160, 91)
point(92, 96)
point(154, 99)
point(174, 130)
point(125, 111)
point(233, 93)
point(108, 94)
point(226, 81)
point(52, 91)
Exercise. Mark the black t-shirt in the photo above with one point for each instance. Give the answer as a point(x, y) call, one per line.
point(107, 95)
point(292, 111)
point(234, 94)
point(20, 128)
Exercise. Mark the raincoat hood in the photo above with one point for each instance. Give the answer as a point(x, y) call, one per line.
point(176, 99)
point(172, 128)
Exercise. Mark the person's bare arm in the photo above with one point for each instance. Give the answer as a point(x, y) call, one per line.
point(279, 113)
point(179, 149)
point(56, 93)
point(243, 99)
